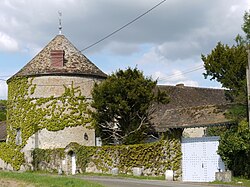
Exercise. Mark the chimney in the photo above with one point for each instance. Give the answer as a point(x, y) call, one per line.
point(56, 58)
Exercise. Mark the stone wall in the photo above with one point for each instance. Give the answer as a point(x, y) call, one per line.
point(5, 166)
point(47, 112)
point(45, 139)
point(153, 159)
point(47, 86)
point(194, 132)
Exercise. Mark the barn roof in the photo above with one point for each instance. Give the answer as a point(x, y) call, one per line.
point(74, 62)
point(191, 107)
point(3, 131)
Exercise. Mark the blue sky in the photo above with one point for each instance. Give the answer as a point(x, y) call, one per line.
point(166, 44)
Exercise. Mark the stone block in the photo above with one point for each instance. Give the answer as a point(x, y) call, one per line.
point(22, 168)
point(137, 171)
point(115, 171)
point(225, 176)
point(169, 175)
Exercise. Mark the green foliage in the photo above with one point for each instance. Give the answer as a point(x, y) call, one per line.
point(3, 102)
point(124, 99)
point(236, 181)
point(83, 156)
point(237, 112)
point(234, 149)
point(12, 156)
point(215, 131)
point(32, 114)
point(246, 26)
point(2, 115)
point(227, 65)
point(46, 155)
point(34, 179)
point(156, 157)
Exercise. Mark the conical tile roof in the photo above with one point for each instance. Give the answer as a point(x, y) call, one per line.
point(74, 63)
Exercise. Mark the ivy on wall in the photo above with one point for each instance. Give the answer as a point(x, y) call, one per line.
point(11, 155)
point(155, 157)
point(32, 114)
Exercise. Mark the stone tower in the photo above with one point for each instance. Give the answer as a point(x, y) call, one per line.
point(49, 99)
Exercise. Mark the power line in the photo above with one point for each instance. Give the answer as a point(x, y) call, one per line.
point(63, 84)
point(183, 73)
point(112, 33)
point(165, 78)
point(122, 27)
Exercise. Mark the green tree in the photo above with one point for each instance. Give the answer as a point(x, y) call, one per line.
point(234, 149)
point(246, 26)
point(123, 105)
point(227, 65)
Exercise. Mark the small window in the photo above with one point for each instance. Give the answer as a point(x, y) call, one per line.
point(18, 136)
point(86, 137)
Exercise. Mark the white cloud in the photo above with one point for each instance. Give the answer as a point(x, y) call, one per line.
point(176, 77)
point(88, 21)
point(150, 57)
point(122, 48)
point(175, 33)
point(3, 90)
point(7, 43)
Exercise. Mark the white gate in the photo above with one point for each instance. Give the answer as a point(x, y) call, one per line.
point(200, 160)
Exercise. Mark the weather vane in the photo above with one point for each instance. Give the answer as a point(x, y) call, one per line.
point(60, 21)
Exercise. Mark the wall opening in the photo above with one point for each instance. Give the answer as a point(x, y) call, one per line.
point(72, 164)
point(18, 136)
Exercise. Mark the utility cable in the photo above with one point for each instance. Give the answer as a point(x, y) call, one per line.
point(122, 27)
point(183, 73)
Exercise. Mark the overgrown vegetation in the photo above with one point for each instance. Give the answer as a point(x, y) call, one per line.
point(123, 104)
point(234, 149)
point(47, 180)
point(32, 114)
point(156, 157)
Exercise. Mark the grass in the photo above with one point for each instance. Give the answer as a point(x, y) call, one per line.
point(47, 180)
point(236, 181)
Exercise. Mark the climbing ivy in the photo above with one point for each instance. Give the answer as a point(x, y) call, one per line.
point(11, 155)
point(156, 157)
point(31, 114)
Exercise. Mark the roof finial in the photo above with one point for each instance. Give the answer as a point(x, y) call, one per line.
point(60, 21)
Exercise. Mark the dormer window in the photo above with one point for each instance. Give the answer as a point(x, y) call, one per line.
point(56, 58)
